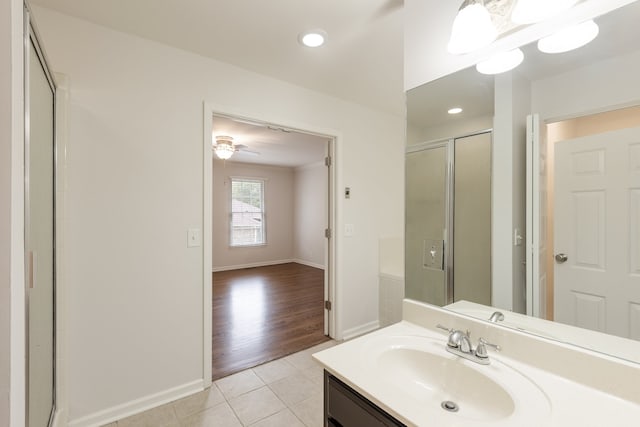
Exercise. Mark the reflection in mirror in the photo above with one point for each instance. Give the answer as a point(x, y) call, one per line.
point(588, 102)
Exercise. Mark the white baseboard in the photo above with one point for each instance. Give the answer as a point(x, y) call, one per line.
point(251, 265)
point(133, 407)
point(360, 330)
point(308, 263)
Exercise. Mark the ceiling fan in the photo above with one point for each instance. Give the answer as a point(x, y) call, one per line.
point(224, 147)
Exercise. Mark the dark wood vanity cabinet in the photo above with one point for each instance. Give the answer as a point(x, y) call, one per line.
point(344, 407)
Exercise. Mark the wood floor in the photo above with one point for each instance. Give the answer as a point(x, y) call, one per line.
point(264, 313)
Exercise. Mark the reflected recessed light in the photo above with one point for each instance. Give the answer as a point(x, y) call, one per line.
point(569, 38)
point(314, 38)
point(455, 110)
point(501, 62)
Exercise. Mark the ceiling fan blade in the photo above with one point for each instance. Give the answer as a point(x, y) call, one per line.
point(253, 153)
point(242, 148)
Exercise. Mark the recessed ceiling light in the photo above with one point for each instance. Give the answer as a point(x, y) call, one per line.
point(313, 38)
point(569, 38)
point(501, 62)
point(455, 110)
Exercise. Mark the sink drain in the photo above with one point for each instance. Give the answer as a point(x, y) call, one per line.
point(450, 406)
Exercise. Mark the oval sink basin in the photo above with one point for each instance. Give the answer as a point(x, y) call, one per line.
point(421, 371)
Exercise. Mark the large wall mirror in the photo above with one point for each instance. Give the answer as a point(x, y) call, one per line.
point(586, 209)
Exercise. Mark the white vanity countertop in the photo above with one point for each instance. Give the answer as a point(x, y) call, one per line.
point(620, 347)
point(557, 401)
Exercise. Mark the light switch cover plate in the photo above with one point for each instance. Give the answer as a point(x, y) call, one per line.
point(433, 254)
point(194, 238)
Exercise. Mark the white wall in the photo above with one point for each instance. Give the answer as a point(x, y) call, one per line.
point(310, 214)
point(12, 298)
point(512, 104)
point(452, 130)
point(135, 309)
point(521, 108)
point(279, 216)
point(612, 83)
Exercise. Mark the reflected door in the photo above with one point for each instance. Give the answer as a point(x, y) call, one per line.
point(597, 232)
point(39, 230)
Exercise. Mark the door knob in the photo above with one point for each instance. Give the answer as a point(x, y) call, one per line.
point(561, 258)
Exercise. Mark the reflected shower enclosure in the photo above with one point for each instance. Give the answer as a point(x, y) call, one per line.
point(448, 220)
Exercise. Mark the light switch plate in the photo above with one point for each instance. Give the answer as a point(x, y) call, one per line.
point(194, 238)
point(517, 237)
point(432, 254)
point(349, 230)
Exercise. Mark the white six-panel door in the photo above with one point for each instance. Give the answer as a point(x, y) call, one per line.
point(597, 228)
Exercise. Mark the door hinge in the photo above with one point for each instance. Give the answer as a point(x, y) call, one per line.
point(327, 233)
point(327, 161)
point(327, 305)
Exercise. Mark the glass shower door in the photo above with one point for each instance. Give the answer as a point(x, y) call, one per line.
point(425, 225)
point(472, 219)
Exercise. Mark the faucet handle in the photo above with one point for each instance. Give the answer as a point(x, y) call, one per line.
point(481, 350)
point(439, 326)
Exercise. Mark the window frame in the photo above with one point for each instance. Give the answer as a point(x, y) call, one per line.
point(263, 211)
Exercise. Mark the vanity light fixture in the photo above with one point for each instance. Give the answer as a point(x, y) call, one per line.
point(313, 38)
point(472, 29)
point(501, 62)
point(455, 110)
point(532, 11)
point(223, 147)
point(569, 38)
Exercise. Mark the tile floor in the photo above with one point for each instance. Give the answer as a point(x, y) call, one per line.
point(285, 392)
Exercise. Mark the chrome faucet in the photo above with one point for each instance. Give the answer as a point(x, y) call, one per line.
point(496, 317)
point(459, 343)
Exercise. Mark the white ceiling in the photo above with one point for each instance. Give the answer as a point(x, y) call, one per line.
point(271, 144)
point(362, 61)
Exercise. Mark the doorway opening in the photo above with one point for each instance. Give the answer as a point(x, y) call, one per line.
point(271, 251)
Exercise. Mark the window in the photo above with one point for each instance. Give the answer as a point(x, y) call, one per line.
point(247, 226)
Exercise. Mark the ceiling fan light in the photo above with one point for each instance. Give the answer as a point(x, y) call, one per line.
point(501, 62)
point(569, 38)
point(532, 11)
point(472, 28)
point(223, 147)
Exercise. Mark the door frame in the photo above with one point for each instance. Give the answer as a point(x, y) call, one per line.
point(32, 42)
point(331, 286)
point(533, 232)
